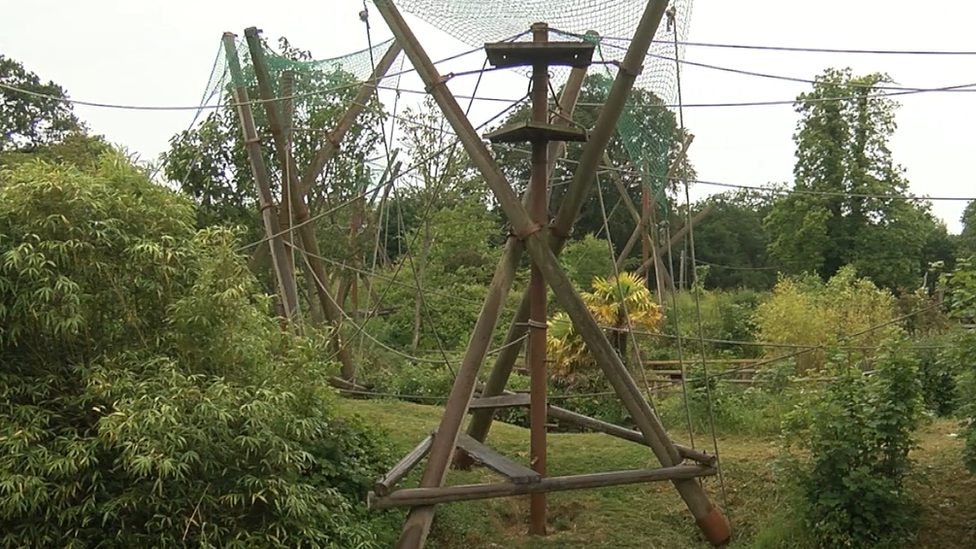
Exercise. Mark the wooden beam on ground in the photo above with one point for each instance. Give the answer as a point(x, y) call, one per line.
point(403, 467)
point(515, 472)
point(627, 434)
point(501, 401)
point(284, 273)
point(424, 497)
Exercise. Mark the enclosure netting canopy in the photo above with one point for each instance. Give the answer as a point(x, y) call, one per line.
point(614, 21)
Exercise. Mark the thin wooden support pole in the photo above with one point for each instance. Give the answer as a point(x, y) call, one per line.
point(681, 233)
point(537, 291)
point(287, 115)
point(313, 257)
point(331, 145)
point(417, 526)
point(410, 497)
point(252, 143)
point(644, 223)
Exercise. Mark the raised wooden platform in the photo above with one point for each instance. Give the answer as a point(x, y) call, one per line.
point(528, 131)
point(520, 54)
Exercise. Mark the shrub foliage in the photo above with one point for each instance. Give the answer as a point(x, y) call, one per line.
point(149, 400)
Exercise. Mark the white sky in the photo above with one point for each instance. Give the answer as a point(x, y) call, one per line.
point(160, 53)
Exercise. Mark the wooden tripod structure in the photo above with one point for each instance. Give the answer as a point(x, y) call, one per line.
point(543, 242)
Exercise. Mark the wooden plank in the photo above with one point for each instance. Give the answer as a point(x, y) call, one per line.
point(517, 473)
point(411, 497)
point(403, 467)
point(500, 401)
point(626, 434)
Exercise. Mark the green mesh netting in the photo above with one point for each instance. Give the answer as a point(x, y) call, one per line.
point(647, 141)
point(321, 89)
point(475, 23)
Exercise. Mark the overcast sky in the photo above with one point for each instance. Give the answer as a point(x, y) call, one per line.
point(160, 53)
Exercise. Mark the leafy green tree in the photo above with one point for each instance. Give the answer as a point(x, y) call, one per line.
point(35, 117)
point(150, 401)
point(733, 241)
point(842, 213)
point(967, 238)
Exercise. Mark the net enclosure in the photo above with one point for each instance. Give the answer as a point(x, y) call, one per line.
point(613, 22)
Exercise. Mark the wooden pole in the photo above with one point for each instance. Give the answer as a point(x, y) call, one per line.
point(252, 143)
point(331, 145)
point(411, 497)
point(578, 192)
point(537, 293)
point(709, 519)
point(313, 257)
point(647, 208)
point(287, 115)
point(676, 237)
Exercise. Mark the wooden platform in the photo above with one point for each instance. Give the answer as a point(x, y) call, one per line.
point(520, 54)
point(528, 131)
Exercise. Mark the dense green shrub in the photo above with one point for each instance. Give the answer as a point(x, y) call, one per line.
point(150, 401)
point(858, 434)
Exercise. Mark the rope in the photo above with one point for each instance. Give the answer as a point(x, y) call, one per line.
point(697, 290)
point(681, 356)
point(620, 294)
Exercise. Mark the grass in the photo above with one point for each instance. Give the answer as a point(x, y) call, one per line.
point(652, 516)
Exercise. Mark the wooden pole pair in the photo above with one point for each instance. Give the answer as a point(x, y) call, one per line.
point(537, 243)
point(294, 188)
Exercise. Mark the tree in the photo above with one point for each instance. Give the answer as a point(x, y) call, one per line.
point(967, 238)
point(150, 401)
point(36, 116)
point(621, 303)
point(733, 241)
point(847, 205)
point(647, 130)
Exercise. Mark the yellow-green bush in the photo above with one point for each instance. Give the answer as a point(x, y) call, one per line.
point(846, 309)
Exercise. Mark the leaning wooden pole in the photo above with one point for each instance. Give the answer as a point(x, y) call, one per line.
point(313, 257)
point(417, 526)
point(537, 293)
point(284, 273)
point(644, 223)
point(331, 145)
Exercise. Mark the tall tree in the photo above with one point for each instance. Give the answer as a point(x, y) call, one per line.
point(36, 116)
point(733, 242)
point(842, 211)
point(967, 238)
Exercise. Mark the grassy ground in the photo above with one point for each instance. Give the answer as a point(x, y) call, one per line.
point(652, 516)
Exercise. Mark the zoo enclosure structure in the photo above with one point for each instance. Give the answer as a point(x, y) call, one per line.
point(543, 241)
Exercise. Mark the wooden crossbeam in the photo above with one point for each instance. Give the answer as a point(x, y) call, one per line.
point(403, 467)
point(515, 472)
point(501, 401)
point(417, 497)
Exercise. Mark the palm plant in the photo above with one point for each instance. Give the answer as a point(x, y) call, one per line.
point(620, 304)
